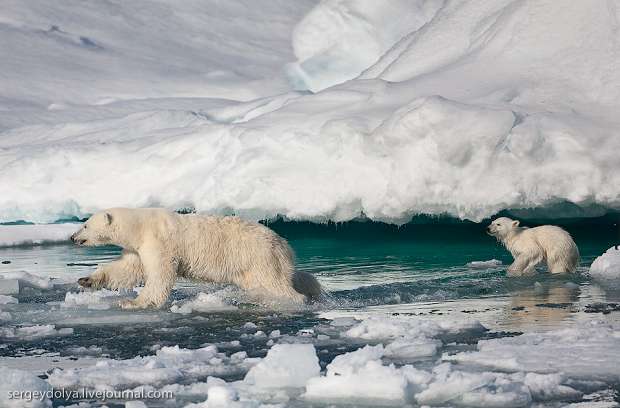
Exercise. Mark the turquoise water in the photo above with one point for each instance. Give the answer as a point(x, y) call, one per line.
point(416, 269)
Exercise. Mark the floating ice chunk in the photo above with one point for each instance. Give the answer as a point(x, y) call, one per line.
point(607, 266)
point(492, 263)
point(473, 389)
point(220, 393)
point(5, 316)
point(28, 279)
point(382, 328)
point(37, 234)
point(85, 351)
point(260, 334)
point(593, 404)
point(14, 381)
point(169, 365)
point(545, 387)
point(97, 299)
point(492, 389)
point(286, 365)
point(412, 349)
point(249, 326)
point(33, 332)
point(5, 300)
point(361, 377)
point(9, 286)
point(203, 302)
point(590, 351)
point(409, 339)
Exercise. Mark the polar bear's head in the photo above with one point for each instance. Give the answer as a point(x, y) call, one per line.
point(96, 231)
point(502, 227)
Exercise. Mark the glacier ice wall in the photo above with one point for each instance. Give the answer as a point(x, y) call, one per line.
point(474, 107)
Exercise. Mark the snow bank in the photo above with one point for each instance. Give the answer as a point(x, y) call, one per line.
point(14, 235)
point(338, 39)
point(136, 51)
point(465, 111)
point(607, 266)
point(34, 389)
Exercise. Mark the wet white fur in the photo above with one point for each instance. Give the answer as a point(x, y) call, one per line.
point(531, 246)
point(159, 245)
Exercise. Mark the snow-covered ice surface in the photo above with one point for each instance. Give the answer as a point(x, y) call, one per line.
point(460, 107)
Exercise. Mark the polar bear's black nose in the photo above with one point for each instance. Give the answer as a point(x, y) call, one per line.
point(72, 238)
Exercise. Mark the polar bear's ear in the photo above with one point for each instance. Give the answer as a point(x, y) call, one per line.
point(515, 223)
point(108, 218)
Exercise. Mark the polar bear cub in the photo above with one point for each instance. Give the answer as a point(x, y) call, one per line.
point(531, 246)
point(160, 245)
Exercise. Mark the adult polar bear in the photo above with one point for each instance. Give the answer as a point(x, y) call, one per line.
point(531, 246)
point(159, 245)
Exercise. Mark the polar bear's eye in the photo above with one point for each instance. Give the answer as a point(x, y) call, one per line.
point(85, 226)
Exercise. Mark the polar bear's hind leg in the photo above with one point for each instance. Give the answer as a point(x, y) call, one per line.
point(564, 257)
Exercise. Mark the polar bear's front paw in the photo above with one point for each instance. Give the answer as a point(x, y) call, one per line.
point(86, 282)
point(91, 282)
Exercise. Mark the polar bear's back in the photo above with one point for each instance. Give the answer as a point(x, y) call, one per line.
point(557, 244)
point(232, 250)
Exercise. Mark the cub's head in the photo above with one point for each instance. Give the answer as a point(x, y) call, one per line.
point(502, 227)
point(98, 230)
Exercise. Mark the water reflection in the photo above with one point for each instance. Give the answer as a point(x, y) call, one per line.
point(543, 304)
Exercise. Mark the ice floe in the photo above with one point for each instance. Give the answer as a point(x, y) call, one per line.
point(33, 388)
point(286, 365)
point(33, 332)
point(205, 303)
point(607, 266)
point(589, 351)
point(491, 263)
point(95, 299)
